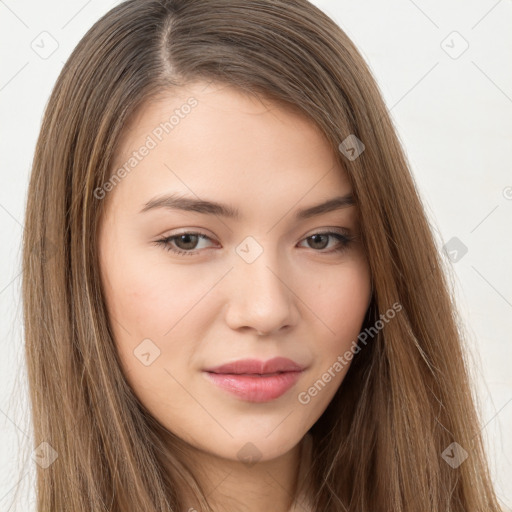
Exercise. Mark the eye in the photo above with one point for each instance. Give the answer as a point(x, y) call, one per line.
point(321, 241)
point(187, 243)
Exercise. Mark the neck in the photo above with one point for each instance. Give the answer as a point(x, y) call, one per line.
point(236, 486)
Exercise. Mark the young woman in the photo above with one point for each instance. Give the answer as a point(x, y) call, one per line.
point(232, 297)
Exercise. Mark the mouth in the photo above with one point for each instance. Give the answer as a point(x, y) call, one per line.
point(256, 381)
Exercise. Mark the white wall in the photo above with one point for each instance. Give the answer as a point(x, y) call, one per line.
point(453, 113)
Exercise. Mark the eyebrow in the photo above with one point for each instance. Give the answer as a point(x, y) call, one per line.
point(191, 204)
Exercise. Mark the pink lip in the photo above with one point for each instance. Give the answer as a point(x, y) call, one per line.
point(256, 381)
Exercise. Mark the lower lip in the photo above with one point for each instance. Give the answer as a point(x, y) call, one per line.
point(255, 388)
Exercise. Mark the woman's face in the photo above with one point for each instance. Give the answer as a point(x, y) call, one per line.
point(268, 269)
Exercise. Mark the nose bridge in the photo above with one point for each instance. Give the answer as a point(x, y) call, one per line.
point(261, 297)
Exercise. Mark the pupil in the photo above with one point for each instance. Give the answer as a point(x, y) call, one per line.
point(184, 238)
point(316, 237)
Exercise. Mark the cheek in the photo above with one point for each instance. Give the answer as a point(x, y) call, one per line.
point(155, 301)
point(339, 301)
point(150, 298)
point(151, 307)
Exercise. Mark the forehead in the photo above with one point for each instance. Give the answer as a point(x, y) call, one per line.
point(213, 139)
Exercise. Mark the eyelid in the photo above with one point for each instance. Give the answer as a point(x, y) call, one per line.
point(187, 231)
point(331, 229)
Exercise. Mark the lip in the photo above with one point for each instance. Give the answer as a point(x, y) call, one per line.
point(256, 381)
point(255, 366)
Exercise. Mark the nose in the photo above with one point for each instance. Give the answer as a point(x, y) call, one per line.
point(261, 297)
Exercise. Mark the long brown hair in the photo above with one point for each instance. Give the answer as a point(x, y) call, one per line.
point(381, 443)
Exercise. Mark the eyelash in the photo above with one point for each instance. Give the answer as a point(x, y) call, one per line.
point(345, 241)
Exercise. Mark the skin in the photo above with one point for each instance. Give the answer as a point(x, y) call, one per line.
point(206, 309)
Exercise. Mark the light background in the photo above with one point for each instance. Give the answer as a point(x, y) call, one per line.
point(453, 114)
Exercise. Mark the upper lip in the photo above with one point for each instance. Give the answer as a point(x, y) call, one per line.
point(255, 366)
